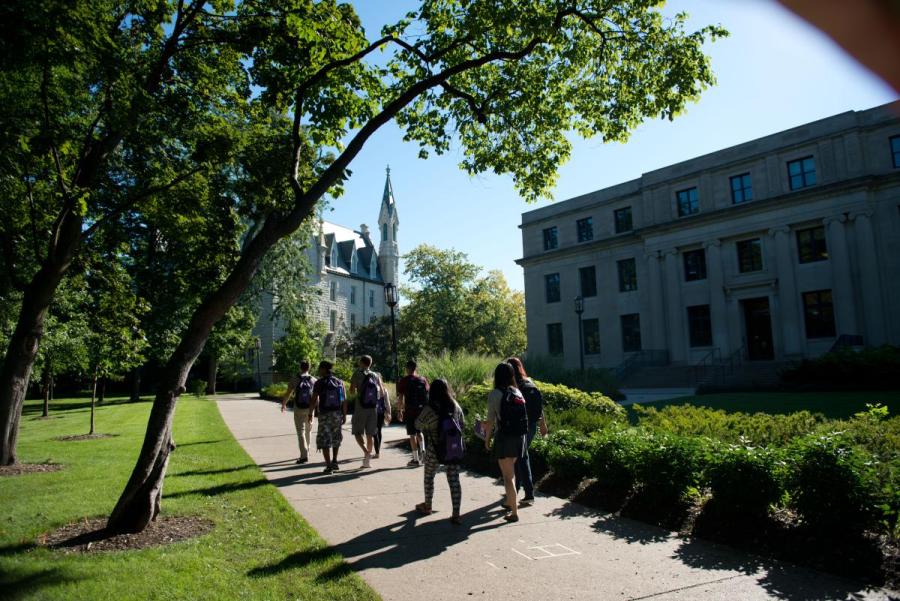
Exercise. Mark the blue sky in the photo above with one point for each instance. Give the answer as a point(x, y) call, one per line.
point(774, 72)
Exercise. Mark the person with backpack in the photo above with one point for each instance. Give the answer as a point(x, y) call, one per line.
point(370, 393)
point(412, 396)
point(329, 402)
point(301, 386)
point(507, 427)
point(442, 422)
point(534, 407)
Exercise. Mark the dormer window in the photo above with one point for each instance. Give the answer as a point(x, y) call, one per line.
point(354, 262)
point(334, 255)
point(373, 267)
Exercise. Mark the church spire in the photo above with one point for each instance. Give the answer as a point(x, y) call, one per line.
point(388, 222)
point(387, 199)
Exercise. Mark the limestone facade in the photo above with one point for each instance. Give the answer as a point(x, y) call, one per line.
point(773, 249)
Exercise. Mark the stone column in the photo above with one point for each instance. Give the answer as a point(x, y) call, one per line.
point(873, 308)
point(788, 299)
point(657, 321)
point(842, 289)
point(717, 309)
point(676, 316)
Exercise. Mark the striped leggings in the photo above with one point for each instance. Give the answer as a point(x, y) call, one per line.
point(431, 467)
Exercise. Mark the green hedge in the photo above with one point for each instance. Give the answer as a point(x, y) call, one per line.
point(274, 391)
point(847, 369)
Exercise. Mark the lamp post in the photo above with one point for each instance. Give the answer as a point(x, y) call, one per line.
point(257, 343)
point(391, 298)
point(579, 309)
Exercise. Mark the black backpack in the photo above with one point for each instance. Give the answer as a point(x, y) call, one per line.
point(534, 401)
point(370, 391)
point(416, 393)
point(513, 413)
point(303, 394)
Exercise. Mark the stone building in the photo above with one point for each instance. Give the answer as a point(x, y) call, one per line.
point(347, 276)
point(771, 250)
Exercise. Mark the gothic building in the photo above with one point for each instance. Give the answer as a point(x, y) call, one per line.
point(347, 276)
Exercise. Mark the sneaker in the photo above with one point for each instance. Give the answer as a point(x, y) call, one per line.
point(328, 469)
point(376, 455)
point(413, 463)
point(335, 467)
point(526, 502)
point(366, 463)
point(302, 460)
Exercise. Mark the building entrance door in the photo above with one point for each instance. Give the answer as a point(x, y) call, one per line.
point(758, 323)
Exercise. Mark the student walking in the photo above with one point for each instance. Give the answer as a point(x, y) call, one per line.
point(382, 418)
point(301, 386)
point(508, 416)
point(412, 396)
point(369, 392)
point(329, 402)
point(534, 408)
point(442, 422)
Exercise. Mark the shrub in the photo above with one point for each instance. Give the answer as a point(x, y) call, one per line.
point(581, 419)
point(553, 370)
point(197, 387)
point(569, 455)
point(668, 467)
point(461, 370)
point(614, 459)
point(758, 429)
point(745, 481)
point(832, 485)
point(343, 369)
point(847, 369)
point(274, 391)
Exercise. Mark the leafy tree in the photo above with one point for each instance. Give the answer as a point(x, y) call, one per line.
point(451, 308)
point(509, 78)
point(301, 340)
point(105, 104)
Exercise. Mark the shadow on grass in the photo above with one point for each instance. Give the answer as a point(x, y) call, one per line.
point(37, 408)
point(219, 489)
point(226, 470)
point(16, 548)
point(22, 585)
point(392, 546)
point(196, 442)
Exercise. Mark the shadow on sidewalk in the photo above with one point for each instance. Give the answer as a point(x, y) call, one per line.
point(392, 546)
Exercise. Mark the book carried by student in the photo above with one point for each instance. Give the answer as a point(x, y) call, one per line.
point(480, 429)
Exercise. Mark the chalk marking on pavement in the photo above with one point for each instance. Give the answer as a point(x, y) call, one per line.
point(523, 555)
point(548, 551)
point(492, 565)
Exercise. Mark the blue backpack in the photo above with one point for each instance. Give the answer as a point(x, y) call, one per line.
point(450, 446)
point(304, 392)
point(332, 395)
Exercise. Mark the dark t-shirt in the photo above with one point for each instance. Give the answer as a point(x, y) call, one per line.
point(403, 384)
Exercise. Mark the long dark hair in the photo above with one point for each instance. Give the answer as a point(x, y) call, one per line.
point(517, 366)
point(504, 376)
point(441, 397)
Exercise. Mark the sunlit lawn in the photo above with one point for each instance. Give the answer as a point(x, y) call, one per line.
point(259, 549)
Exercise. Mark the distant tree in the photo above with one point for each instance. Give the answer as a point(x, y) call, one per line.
point(302, 340)
point(499, 326)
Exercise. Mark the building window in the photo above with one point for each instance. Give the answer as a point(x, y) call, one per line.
point(622, 218)
point(818, 314)
point(384, 232)
point(551, 283)
point(749, 255)
point(802, 173)
point(591, 330)
point(354, 262)
point(585, 229)
point(699, 325)
point(741, 188)
point(631, 332)
point(353, 322)
point(551, 238)
point(334, 255)
point(627, 275)
point(332, 290)
point(554, 339)
point(394, 233)
point(352, 295)
point(811, 245)
point(332, 321)
point(688, 202)
point(588, 278)
point(895, 151)
point(694, 265)
point(371, 298)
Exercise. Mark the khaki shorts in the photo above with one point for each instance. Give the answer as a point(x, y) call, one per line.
point(365, 421)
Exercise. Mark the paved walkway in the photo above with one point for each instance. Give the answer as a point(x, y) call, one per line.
point(558, 550)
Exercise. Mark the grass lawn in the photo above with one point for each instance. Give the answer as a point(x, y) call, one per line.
point(259, 549)
point(832, 404)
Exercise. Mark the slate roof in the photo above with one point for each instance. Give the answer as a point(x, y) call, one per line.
point(349, 241)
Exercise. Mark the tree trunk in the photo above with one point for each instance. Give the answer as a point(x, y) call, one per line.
point(102, 396)
point(21, 352)
point(135, 385)
point(93, 399)
point(212, 369)
point(46, 391)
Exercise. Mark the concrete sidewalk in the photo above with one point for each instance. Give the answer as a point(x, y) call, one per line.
point(558, 549)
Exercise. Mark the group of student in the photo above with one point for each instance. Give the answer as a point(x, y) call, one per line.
point(433, 419)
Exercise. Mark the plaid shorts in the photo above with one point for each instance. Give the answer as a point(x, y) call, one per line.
point(329, 434)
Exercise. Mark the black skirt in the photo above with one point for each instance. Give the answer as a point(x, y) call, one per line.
point(508, 446)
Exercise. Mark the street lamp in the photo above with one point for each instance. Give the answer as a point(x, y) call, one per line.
point(579, 309)
point(257, 343)
point(391, 298)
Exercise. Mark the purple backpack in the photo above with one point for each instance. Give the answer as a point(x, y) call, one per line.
point(450, 446)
